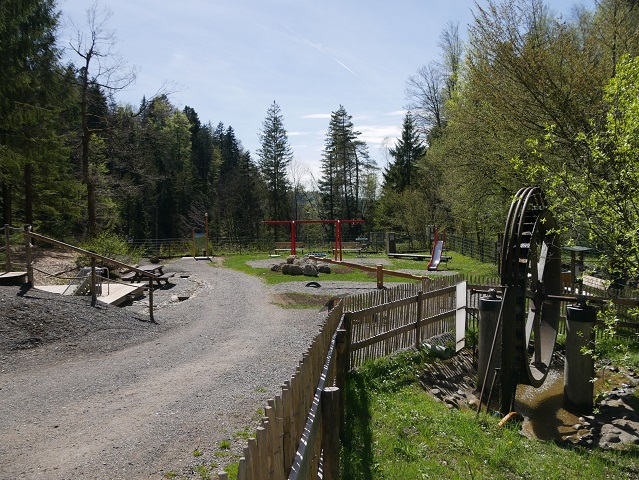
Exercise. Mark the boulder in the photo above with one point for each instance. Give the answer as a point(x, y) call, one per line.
point(310, 270)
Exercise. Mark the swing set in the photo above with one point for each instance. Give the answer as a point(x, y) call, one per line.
point(337, 251)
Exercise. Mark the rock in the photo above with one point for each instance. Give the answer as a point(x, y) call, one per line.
point(610, 438)
point(290, 269)
point(291, 259)
point(323, 268)
point(309, 270)
point(296, 270)
point(276, 268)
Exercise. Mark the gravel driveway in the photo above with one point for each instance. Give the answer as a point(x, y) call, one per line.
point(132, 399)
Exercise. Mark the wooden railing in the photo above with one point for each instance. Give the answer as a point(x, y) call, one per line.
point(94, 257)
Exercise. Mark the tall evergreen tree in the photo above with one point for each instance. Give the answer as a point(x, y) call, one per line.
point(407, 153)
point(344, 164)
point(275, 156)
point(33, 117)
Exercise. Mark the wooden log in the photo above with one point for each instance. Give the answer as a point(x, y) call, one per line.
point(253, 459)
point(278, 422)
point(288, 443)
point(267, 451)
point(330, 432)
point(242, 469)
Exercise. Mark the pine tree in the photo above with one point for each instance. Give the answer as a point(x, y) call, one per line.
point(344, 164)
point(409, 150)
point(275, 155)
point(33, 116)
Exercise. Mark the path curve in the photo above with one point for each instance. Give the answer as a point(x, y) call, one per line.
point(141, 411)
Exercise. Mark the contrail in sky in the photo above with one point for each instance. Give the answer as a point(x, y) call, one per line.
point(317, 47)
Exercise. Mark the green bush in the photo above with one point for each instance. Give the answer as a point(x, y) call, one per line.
point(112, 246)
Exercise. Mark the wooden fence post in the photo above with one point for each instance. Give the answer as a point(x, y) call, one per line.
point(330, 433)
point(7, 246)
point(92, 286)
point(29, 254)
point(420, 314)
point(380, 276)
point(348, 327)
point(151, 299)
point(341, 368)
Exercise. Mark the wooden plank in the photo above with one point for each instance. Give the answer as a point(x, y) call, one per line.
point(405, 328)
point(460, 316)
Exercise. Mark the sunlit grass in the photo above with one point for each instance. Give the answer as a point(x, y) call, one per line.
point(459, 263)
point(395, 431)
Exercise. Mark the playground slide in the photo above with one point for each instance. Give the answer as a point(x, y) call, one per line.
point(436, 257)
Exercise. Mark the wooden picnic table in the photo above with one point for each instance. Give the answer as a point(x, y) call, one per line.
point(156, 269)
point(153, 269)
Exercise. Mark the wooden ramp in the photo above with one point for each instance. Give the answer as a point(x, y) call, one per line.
point(13, 278)
point(113, 294)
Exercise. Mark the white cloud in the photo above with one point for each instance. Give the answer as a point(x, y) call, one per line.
point(375, 134)
point(317, 115)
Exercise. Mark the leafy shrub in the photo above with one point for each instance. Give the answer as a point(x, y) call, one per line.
point(112, 246)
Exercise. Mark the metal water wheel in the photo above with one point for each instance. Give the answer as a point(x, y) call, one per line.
point(530, 272)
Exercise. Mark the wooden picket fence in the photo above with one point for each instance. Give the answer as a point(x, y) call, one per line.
point(298, 437)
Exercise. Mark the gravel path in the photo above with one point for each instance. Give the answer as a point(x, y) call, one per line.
point(133, 399)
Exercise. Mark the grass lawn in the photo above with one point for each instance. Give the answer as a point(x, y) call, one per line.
point(397, 431)
point(459, 263)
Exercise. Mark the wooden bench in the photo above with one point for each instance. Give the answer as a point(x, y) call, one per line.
point(286, 246)
point(350, 247)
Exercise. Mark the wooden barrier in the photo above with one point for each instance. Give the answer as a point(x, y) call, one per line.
point(379, 270)
point(299, 433)
point(274, 451)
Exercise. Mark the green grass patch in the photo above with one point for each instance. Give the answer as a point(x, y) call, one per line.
point(460, 263)
point(468, 266)
point(232, 470)
point(396, 431)
point(297, 300)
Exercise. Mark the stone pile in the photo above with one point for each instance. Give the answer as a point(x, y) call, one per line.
point(301, 266)
point(615, 421)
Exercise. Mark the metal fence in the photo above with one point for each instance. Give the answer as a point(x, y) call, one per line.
point(484, 250)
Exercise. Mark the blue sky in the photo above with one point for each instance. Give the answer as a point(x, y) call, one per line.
point(230, 59)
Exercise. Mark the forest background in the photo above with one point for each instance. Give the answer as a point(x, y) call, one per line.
point(529, 98)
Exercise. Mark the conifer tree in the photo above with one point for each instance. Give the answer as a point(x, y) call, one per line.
point(275, 156)
point(344, 165)
point(33, 99)
point(407, 153)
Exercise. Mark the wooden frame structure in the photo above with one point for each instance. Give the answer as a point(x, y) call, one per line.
point(28, 235)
